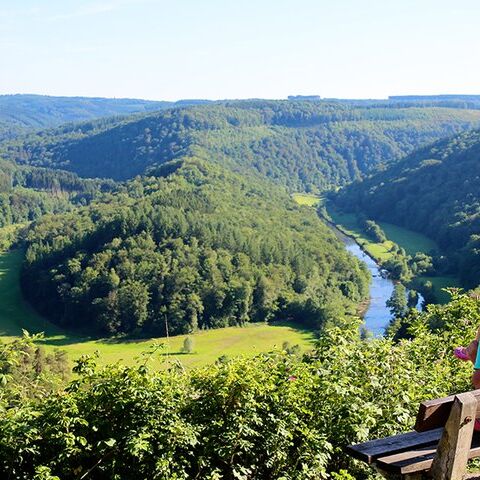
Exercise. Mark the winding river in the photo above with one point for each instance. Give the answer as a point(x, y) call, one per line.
point(377, 316)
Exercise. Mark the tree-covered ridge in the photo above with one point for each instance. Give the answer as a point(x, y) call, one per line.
point(436, 191)
point(303, 145)
point(199, 248)
point(37, 111)
point(27, 193)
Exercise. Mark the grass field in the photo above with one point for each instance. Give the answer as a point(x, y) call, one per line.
point(16, 314)
point(411, 242)
point(306, 199)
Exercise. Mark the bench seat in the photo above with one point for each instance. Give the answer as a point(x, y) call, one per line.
point(370, 451)
point(407, 453)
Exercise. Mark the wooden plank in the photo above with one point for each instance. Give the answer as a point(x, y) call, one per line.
point(450, 462)
point(369, 451)
point(434, 413)
point(418, 460)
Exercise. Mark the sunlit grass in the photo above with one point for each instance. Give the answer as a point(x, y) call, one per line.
point(16, 314)
point(306, 199)
point(411, 242)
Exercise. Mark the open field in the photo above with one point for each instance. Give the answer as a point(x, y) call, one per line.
point(411, 242)
point(16, 314)
point(306, 199)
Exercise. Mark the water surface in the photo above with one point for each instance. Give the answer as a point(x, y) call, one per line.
point(377, 316)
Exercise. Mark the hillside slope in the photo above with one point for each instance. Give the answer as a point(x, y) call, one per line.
point(436, 191)
point(201, 247)
point(304, 145)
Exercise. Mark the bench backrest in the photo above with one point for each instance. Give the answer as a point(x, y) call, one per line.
point(434, 413)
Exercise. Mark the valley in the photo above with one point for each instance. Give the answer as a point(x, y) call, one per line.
point(183, 261)
point(94, 278)
point(239, 240)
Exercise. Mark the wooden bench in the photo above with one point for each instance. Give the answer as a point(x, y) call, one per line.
point(439, 448)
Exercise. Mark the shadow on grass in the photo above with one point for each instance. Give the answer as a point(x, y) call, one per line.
point(78, 337)
point(296, 326)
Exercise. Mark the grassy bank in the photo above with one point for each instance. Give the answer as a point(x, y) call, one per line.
point(411, 242)
point(16, 314)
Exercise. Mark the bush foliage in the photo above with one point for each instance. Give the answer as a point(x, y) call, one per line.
point(272, 417)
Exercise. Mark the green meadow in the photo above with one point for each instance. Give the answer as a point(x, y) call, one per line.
point(411, 242)
point(208, 346)
point(306, 199)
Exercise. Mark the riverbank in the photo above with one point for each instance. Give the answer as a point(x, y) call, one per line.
point(374, 311)
point(411, 242)
point(381, 252)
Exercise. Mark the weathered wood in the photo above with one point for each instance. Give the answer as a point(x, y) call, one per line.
point(418, 460)
point(393, 476)
point(450, 462)
point(431, 451)
point(370, 451)
point(434, 413)
point(410, 462)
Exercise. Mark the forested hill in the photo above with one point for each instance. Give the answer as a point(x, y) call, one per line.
point(436, 191)
point(27, 193)
point(18, 113)
point(201, 247)
point(304, 145)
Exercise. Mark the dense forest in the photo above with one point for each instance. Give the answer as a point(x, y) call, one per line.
point(21, 112)
point(192, 244)
point(198, 248)
point(436, 190)
point(307, 146)
point(27, 193)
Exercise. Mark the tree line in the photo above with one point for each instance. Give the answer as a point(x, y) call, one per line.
point(276, 416)
point(306, 146)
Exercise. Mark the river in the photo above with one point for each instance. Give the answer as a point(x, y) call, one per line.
point(377, 316)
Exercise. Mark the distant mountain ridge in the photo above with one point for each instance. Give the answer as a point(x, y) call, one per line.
point(20, 112)
point(38, 111)
point(303, 145)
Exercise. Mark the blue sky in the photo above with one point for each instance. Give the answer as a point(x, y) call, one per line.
point(215, 49)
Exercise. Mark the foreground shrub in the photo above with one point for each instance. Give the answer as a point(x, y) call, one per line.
point(271, 417)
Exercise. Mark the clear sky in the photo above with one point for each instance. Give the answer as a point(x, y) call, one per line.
point(173, 49)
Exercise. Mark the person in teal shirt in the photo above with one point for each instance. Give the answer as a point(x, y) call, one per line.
point(471, 353)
